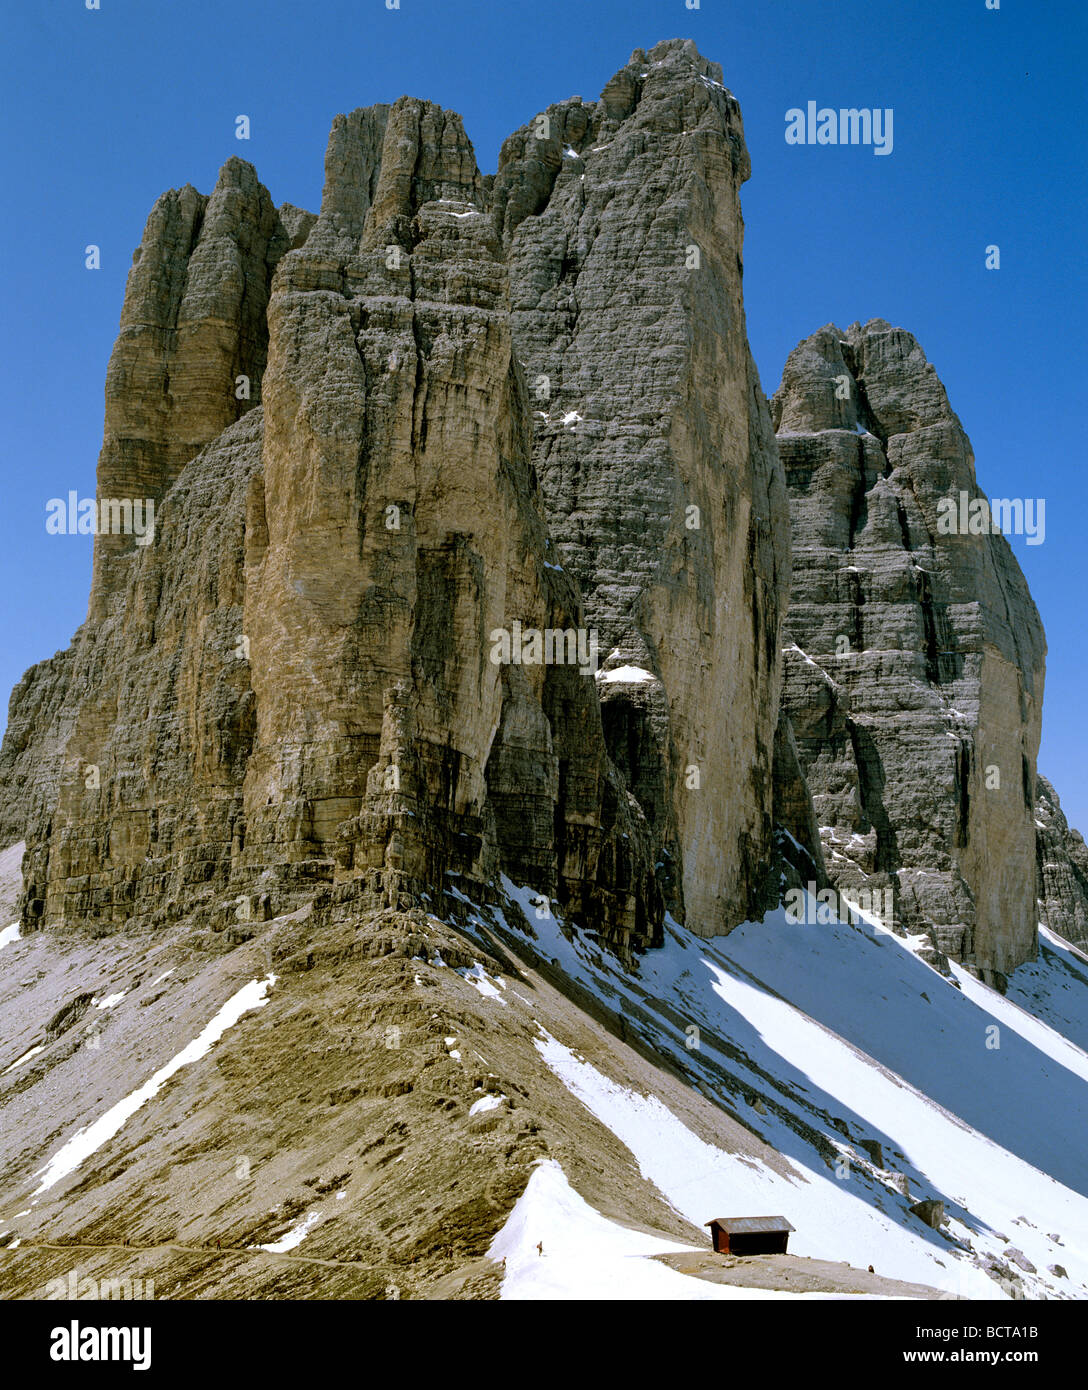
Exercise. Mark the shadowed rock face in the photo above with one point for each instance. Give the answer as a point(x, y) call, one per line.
point(297, 682)
point(915, 659)
point(479, 404)
point(622, 224)
point(1063, 868)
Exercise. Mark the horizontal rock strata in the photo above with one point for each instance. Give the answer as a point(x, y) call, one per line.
point(915, 659)
point(654, 449)
point(1063, 868)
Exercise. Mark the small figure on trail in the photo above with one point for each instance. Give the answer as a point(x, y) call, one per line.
point(540, 1247)
point(219, 1245)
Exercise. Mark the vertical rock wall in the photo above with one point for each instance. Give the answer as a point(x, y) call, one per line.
point(652, 441)
point(915, 659)
point(192, 324)
point(398, 527)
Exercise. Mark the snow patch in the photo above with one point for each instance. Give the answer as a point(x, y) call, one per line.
point(33, 1052)
point(478, 977)
point(86, 1141)
point(583, 1255)
point(626, 675)
point(295, 1236)
point(485, 1103)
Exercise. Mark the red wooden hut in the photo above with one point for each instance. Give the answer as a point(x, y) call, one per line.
point(750, 1235)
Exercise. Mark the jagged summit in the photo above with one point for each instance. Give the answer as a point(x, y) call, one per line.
point(915, 659)
point(909, 394)
point(191, 350)
point(462, 651)
point(487, 406)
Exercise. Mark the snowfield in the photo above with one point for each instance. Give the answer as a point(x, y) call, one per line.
point(961, 1095)
point(584, 1255)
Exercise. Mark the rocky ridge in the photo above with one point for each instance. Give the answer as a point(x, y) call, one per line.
point(305, 691)
point(480, 407)
point(915, 659)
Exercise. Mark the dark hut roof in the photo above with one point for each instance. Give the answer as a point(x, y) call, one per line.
point(750, 1225)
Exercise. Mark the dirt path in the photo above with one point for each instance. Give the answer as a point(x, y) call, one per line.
point(794, 1274)
point(193, 1250)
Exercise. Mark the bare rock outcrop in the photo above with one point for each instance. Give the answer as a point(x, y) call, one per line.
point(397, 528)
point(915, 658)
point(1063, 868)
point(360, 648)
point(491, 430)
point(298, 680)
point(622, 224)
point(190, 354)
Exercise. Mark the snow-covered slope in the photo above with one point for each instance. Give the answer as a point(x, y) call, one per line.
point(882, 1082)
point(589, 1257)
point(339, 1108)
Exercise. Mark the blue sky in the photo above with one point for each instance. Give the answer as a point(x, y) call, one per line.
point(107, 108)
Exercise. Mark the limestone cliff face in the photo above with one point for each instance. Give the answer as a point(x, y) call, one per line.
point(193, 323)
point(298, 682)
point(397, 527)
point(652, 441)
point(1063, 868)
point(191, 351)
point(915, 659)
point(495, 424)
point(127, 751)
